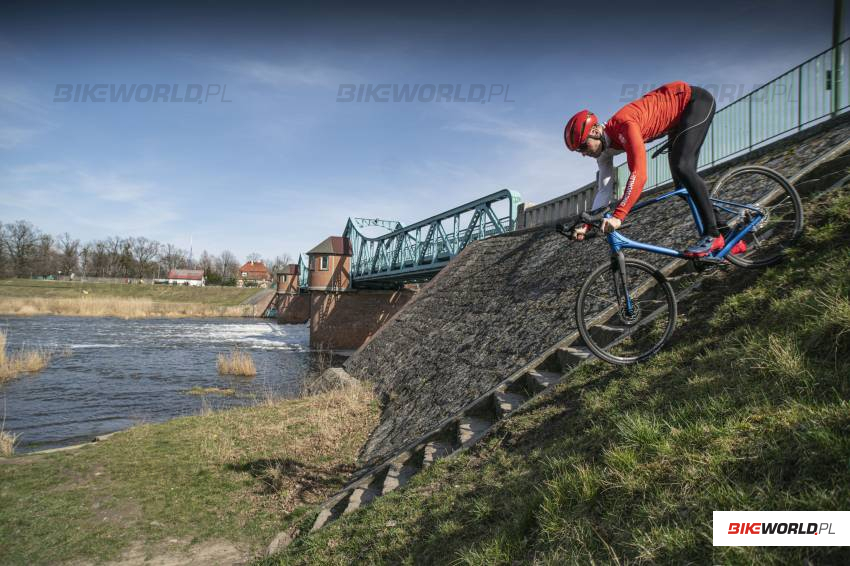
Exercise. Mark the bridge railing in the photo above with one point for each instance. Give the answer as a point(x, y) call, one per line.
point(425, 246)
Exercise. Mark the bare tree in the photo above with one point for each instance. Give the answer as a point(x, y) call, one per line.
point(21, 240)
point(279, 262)
point(5, 266)
point(253, 256)
point(228, 264)
point(45, 260)
point(144, 252)
point(206, 262)
point(69, 250)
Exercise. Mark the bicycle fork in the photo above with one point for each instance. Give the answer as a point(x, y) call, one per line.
point(621, 282)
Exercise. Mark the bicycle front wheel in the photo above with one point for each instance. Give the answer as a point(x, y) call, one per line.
point(610, 329)
point(777, 201)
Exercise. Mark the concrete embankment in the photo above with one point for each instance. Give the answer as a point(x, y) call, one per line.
point(504, 301)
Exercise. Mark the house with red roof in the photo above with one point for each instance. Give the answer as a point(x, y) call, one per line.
point(254, 274)
point(193, 277)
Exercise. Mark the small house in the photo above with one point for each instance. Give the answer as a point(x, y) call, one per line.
point(287, 279)
point(254, 274)
point(330, 265)
point(193, 277)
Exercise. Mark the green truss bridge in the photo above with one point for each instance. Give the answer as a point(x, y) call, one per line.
point(415, 253)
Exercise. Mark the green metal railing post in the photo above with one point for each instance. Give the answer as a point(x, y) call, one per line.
point(837, 15)
point(799, 97)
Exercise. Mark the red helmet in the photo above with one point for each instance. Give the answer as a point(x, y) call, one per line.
point(578, 129)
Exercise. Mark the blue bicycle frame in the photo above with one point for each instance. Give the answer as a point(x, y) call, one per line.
point(619, 242)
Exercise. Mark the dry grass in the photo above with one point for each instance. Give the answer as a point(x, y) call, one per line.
point(22, 361)
point(7, 443)
point(117, 307)
point(211, 391)
point(237, 362)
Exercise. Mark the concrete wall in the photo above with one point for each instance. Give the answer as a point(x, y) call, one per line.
point(502, 302)
point(346, 320)
point(293, 309)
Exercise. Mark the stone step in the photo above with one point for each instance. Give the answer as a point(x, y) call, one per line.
point(572, 356)
point(605, 333)
point(398, 474)
point(359, 497)
point(538, 380)
point(435, 450)
point(470, 429)
point(329, 513)
point(506, 403)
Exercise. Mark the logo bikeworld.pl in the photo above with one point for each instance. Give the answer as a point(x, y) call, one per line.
point(779, 529)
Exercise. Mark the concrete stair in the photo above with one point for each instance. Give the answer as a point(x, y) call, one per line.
point(470, 429)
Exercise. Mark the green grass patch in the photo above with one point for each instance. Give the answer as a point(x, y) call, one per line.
point(747, 409)
point(221, 296)
point(238, 476)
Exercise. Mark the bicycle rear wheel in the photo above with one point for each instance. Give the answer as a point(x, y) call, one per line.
point(775, 198)
point(604, 323)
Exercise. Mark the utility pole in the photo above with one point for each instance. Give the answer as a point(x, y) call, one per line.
point(837, 16)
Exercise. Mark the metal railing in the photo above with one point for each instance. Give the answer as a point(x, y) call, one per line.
point(427, 245)
point(303, 272)
point(807, 94)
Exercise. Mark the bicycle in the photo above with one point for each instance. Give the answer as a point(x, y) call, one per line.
point(626, 309)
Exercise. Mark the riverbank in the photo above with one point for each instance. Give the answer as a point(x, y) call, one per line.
point(23, 297)
point(211, 488)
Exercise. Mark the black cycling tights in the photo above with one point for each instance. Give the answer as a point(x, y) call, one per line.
point(686, 141)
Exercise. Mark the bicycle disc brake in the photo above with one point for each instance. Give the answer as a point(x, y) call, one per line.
point(625, 317)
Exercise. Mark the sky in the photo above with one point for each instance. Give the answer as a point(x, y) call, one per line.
point(287, 153)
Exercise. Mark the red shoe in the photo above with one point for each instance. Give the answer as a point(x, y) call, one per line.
point(706, 245)
point(739, 248)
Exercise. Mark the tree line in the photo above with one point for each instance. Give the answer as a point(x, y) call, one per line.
point(26, 251)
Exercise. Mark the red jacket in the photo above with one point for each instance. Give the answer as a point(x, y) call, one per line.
point(645, 119)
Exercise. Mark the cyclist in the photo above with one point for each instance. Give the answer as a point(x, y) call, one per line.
point(678, 110)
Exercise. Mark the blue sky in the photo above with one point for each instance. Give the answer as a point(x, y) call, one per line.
point(284, 164)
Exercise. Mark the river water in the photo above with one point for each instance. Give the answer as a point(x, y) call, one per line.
point(109, 374)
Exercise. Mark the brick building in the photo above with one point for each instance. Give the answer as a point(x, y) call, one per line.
point(330, 265)
point(254, 274)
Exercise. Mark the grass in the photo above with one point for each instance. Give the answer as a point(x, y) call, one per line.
point(22, 297)
point(22, 361)
point(233, 478)
point(237, 362)
point(748, 409)
point(211, 391)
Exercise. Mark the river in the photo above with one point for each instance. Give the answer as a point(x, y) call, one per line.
point(108, 374)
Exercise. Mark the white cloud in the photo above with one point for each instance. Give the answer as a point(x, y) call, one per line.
point(62, 197)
